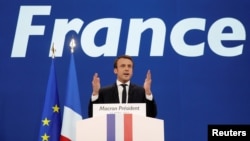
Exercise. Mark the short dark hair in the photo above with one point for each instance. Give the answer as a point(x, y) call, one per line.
point(122, 56)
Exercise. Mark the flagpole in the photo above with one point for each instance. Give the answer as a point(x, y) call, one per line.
point(53, 50)
point(72, 45)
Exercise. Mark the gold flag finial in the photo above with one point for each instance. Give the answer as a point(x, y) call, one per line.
point(72, 45)
point(53, 50)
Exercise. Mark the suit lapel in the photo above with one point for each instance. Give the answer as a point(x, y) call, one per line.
point(115, 93)
point(130, 93)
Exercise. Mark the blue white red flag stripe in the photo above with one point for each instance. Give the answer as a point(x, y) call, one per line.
point(119, 132)
point(111, 127)
point(119, 127)
point(128, 130)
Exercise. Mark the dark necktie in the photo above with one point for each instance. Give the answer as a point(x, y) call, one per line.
point(124, 93)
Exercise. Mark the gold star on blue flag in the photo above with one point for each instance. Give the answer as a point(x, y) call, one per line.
point(50, 126)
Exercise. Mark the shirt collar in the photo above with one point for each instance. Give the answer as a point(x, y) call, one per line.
point(118, 83)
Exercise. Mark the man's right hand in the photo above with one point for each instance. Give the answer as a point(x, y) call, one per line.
point(96, 85)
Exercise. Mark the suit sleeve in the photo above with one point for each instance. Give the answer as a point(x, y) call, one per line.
point(151, 108)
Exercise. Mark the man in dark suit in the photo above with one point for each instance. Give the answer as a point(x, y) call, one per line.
point(123, 68)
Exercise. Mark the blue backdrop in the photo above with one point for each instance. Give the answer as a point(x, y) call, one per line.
point(197, 50)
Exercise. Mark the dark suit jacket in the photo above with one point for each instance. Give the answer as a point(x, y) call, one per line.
point(136, 94)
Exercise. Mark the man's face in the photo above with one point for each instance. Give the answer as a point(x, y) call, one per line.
point(124, 70)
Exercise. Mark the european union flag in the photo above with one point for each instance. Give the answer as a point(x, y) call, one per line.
point(51, 121)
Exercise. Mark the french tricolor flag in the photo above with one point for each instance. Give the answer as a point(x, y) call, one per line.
point(72, 106)
point(116, 132)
